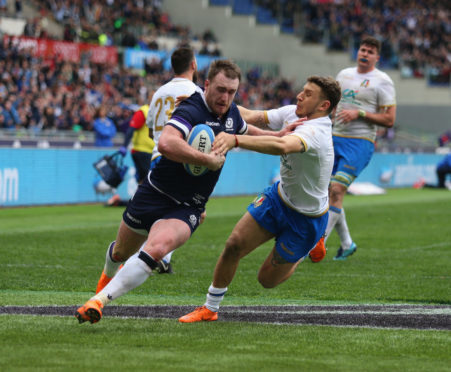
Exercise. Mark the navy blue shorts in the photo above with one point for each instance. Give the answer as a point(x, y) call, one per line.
point(148, 206)
point(296, 234)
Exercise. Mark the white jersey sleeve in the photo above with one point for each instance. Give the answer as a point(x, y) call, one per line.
point(281, 117)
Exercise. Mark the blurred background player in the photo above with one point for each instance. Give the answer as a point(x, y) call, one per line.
point(367, 101)
point(162, 105)
point(142, 143)
point(443, 169)
point(141, 151)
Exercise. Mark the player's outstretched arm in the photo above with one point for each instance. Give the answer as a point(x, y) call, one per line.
point(264, 144)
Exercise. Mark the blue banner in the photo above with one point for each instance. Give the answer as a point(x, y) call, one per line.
point(135, 58)
point(65, 176)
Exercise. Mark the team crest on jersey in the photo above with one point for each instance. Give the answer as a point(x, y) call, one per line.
point(193, 220)
point(258, 201)
point(229, 123)
point(365, 83)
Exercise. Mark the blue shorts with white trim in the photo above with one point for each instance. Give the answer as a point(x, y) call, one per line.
point(352, 155)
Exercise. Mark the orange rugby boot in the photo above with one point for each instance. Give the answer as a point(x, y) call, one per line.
point(319, 252)
point(104, 280)
point(91, 311)
point(199, 315)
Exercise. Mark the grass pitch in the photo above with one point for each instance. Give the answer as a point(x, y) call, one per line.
point(54, 255)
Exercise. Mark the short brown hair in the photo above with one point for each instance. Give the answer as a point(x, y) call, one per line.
point(330, 89)
point(229, 68)
point(181, 60)
point(372, 41)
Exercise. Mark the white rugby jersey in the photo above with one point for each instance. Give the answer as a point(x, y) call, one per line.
point(163, 105)
point(305, 176)
point(369, 92)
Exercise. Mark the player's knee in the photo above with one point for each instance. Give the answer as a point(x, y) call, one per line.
point(336, 193)
point(159, 249)
point(232, 248)
point(116, 253)
point(265, 281)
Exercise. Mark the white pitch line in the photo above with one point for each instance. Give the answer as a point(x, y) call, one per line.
point(429, 246)
point(443, 311)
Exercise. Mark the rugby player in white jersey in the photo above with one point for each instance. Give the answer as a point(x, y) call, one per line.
point(367, 102)
point(294, 210)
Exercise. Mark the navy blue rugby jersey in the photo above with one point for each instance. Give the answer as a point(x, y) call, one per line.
point(170, 177)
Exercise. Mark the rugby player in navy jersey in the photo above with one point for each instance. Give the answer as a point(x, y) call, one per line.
point(167, 207)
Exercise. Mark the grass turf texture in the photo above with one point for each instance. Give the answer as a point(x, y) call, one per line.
point(54, 255)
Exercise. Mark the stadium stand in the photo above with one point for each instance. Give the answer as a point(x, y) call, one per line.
point(415, 39)
point(37, 95)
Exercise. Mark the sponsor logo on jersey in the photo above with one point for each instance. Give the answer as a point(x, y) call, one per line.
point(350, 93)
point(212, 123)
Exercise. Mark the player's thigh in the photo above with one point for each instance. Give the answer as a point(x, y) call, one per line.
point(352, 155)
point(128, 242)
point(275, 270)
point(247, 235)
point(165, 236)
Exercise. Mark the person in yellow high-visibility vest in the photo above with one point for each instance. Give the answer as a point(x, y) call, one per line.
point(142, 143)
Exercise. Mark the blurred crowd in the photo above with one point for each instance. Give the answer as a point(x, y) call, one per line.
point(53, 94)
point(135, 24)
point(415, 35)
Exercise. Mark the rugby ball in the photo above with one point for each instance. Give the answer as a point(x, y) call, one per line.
point(201, 138)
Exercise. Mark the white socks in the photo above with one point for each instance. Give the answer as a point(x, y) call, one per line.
point(343, 231)
point(334, 215)
point(134, 273)
point(214, 298)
